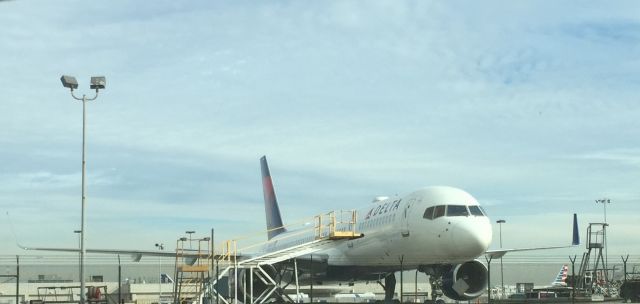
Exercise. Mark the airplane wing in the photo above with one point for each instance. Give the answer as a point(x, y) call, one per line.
point(135, 254)
point(498, 253)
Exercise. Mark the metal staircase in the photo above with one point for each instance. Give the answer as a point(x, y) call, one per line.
point(191, 273)
point(595, 275)
point(328, 229)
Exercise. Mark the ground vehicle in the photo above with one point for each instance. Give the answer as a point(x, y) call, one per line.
point(630, 290)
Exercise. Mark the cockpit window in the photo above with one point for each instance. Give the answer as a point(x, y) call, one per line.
point(457, 210)
point(428, 214)
point(435, 212)
point(439, 211)
point(475, 210)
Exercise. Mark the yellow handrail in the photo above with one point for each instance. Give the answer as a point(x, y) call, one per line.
point(334, 224)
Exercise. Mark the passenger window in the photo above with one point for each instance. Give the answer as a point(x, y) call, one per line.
point(438, 212)
point(428, 214)
point(475, 210)
point(457, 210)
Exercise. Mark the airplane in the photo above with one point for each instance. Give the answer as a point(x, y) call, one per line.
point(557, 288)
point(561, 278)
point(439, 230)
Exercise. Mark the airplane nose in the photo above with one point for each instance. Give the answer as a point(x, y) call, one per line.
point(471, 237)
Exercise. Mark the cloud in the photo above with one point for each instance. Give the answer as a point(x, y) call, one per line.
point(348, 100)
point(628, 157)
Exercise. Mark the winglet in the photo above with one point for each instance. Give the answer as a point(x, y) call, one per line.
point(576, 235)
point(274, 220)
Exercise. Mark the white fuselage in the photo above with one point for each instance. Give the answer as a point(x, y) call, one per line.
point(398, 230)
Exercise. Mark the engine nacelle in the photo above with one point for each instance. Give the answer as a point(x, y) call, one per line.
point(465, 281)
point(259, 286)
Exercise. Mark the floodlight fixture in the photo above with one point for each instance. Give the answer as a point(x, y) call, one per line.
point(98, 82)
point(69, 82)
point(501, 221)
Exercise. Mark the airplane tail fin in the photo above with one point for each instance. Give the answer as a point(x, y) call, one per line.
point(561, 278)
point(576, 235)
point(274, 220)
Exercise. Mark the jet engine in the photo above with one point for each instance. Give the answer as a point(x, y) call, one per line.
point(260, 288)
point(465, 281)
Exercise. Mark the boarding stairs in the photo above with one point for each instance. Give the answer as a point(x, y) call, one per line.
point(191, 273)
point(286, 253)
point(328, 228)
point(596, 274)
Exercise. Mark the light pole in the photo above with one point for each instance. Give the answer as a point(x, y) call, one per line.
point(160, 246)
point(500, 222)
point(604, 202)
point(71, 83)
point(79, 258)
point(190, 232)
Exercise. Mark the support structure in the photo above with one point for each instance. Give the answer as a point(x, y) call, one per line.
point(573, 278)
point(119, 281)
point(401, 279)
point(488, 258)
point(415, 286)
point(500, 222)
point(597, 274)
point(97, 83)
point(328, 228)
point(295, 273)
point(389, 288)
point(191, 274)
point(311, 283)
point(624, 265)
point(16, 277)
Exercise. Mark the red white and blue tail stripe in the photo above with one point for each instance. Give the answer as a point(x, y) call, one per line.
point(561, 278)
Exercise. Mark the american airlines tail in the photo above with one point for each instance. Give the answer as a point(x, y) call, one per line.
point(561, 278)
point(274, 220)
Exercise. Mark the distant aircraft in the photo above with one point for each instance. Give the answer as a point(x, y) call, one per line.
point(561, 278)
point(441, 231)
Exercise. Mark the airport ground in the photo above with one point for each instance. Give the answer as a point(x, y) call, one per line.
point(40, 275)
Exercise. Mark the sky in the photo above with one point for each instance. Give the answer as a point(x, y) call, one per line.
point(530, 106)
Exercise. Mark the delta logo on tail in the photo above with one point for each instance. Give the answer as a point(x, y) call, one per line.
point(561, 278)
